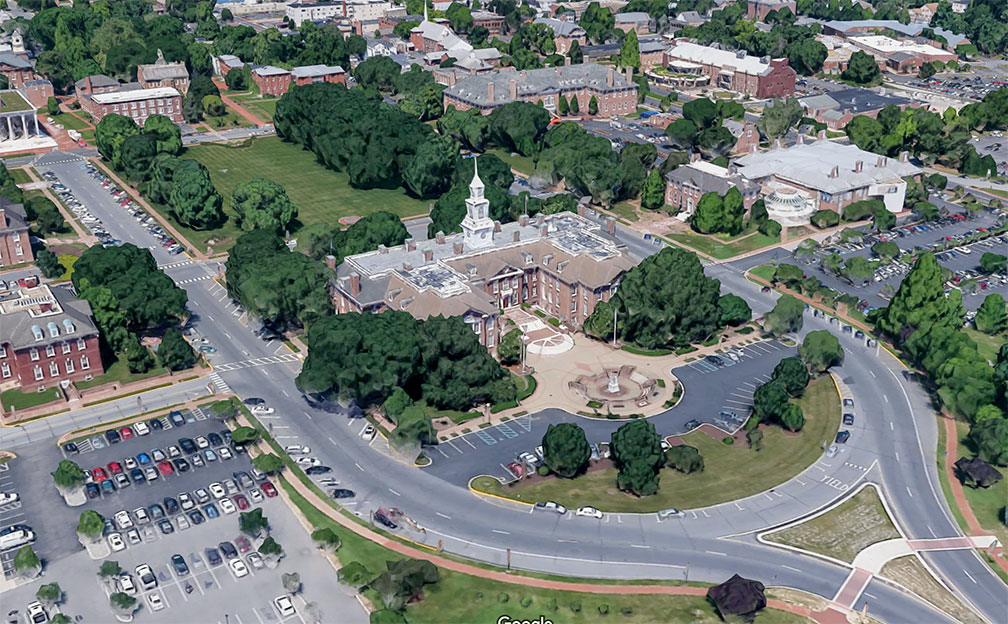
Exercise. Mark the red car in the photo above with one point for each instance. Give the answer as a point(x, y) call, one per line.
point(243, 544)
point(166, 468)
point(114, 468)
point(517, 469)
point(241, 501)
point(98, 474)
point(268, 489)
point(126, 433)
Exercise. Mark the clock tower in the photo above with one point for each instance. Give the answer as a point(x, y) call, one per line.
point(477, 227)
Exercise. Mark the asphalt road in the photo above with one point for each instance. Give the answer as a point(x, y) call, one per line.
point(712, 543)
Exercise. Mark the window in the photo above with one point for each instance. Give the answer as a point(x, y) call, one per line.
point(3, 352)
point(38, 373)
point(490, 340)
point(50, 350)
point(69, 365)
point(34, 355)
point(18, 250)
point(80, 344)
point(65, 348)
point(53, 369)
point(495, 286)
point(84, 363)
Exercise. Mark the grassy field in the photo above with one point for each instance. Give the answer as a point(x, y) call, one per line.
point(909, 572)
point(521, 164)
point(625, 210)
point(765, 271)
point(987, 503)
point(118, 371)
point(988, 345)
point(69, 122)
point(321, 195)
point(229, 120)
point(262, 108)
point(842, 532)
point(18, 400)
point(721, 249)
point(460, 597)
point(783, 456)
point(20, 176)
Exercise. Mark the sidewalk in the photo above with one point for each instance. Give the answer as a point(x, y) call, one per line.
point(238, 108)
point(82, 236)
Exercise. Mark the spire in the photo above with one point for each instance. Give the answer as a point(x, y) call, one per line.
point(476, 186)
point(425, 11)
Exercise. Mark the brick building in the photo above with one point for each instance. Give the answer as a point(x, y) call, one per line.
point(15, 246)
point(614, 92)
point(98, 83)
point(757, 9)
point(837, 108)
point(135, 103)
point(561, 263)
point(638, 22)
point(565, 33)
point(652, 54)
point(161, 73)
point(736, 71)
point(271, 80)
point(901, 56)
point(47, 337)
point(489, 20)
point(685, 185)
point(310, 74)
point(17, 70)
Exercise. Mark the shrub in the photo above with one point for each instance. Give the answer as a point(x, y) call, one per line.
point(728, 441)
point(576, 606)
point(627, 611)
point(552, 604)
point(755, 438)
point(526, 601)
point(503, 597)
point(543, 471)
point(603, 609)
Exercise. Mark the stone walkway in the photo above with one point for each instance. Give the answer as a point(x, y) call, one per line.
point(238, 108)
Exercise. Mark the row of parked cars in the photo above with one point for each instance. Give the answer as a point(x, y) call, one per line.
point(135, 211)
point(91, 222)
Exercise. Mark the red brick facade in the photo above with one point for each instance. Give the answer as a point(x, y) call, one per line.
point(15, 247)
point(35, 368)
point(275, 84)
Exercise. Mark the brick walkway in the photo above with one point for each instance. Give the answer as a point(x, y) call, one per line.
point(238, 108)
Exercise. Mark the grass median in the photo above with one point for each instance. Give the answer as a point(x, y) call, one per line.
point(782, 456)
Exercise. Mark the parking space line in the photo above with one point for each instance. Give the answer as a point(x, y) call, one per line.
point(463, 438)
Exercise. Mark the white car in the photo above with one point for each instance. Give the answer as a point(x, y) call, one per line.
point(297, 449)
point(368, 433)
point(308, 461)
point(226, 506)
point(151, 473)
point(217, 490)
point(224, 453)
point(185, 501)
point(202, 442)
point(832, 450)
point(552, 506)
point(37, 613)
point(8, 497)
point(262, 409)
point(671, 512)
point(141, 429)
point(255, 495)
point(589, 512)
point(155, 602)
point(284, 605)
point(146, 576)
point(141, 515)
point(126, 585)
point(255, 560)
point(122, 520)
point(238, 567)
point(116, 542)
point(182, 522)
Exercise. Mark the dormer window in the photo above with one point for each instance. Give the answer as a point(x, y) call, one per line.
point(68, 326)
point(53, 329)
point(37, 332)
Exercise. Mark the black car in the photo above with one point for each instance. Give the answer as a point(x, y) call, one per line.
point(243, 479)
point(112, 436)
point(187, 445)
point(108, 487)
point(70, 448)
point(215, 440)
point(166, 526)
point(171, 505)
point(196, 517)
point(715, 360)
point(226, 435)
point(213, 556)
point(239, 449)
point(178, 562)
point(342, 493)
point(848, 419)
point(691, 425)
point(137, 476)
point(842, 436)
point(385, 520)
point(317, 470)
point(228, 549)
point(176, 418)
point(92, 490)
point(181, 465)
point(155, 424)
point(254, 401)
point(156, 511)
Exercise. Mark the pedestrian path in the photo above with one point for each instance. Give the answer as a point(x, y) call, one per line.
point(263, 361)
point(194, 279)
point(219, 383)
point(174, 264)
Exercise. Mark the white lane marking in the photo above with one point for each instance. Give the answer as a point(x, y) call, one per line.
point(501, 532)
point(969, 577)
point(886, 398)
point(639, 546)
point(891, 428)
point(359, 467)
point(790, 568)
point(712, 552)
point(872, 372)
point(394, 492)
point(897, 456)
point(442, 515)
point(909, 492)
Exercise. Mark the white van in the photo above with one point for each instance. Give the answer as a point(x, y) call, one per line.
point(141, 428)
point(16, 539)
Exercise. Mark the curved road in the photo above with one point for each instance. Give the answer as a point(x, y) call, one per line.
point(892, 444)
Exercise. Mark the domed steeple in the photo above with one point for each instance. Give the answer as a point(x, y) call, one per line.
point(477, 227)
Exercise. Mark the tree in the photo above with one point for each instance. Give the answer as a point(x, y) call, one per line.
point(91, 526)
point(199, 87)
point(354, 574)
point(253, 523)
point(48, 263)
point(110, 134)
point(701, 111)
point(638, 477)
point(414, 427)
point(377, 72)
point(213, 106)
point(861, 69)
point(637, 441)
point(779, 118)
point(733, 310)
point(403, 581)
point(565, 449)
point(887, 250)
point(268, 463)
point(327, 539)
point(136, 155)
point(858, 270)
point(755, 438)
point(193, 200)
point(598, 22)
point(920, 302)
point(653, 191)
point(926, 71)
point(510, 347)
point(245, 435)
point(989, 438)
point(770, 400)
point(709, 214)
point(26, 563)
point(685, 459)
point(682, 132)
point(793, 373)
point(593, 102)
point(166, 134)
point(175, 353)
point(792, 418)
point(789, 275)
point(291, 582)
point(629, 54)
point(665, 300)
point(226, 15)
point(820, 350)
point(49, 594)
point(68, 476)
point(270, 547)
point(123, 604)
point(430, 170)
point(806, 56)
point(109, 570)
point(262, 204)
point(786, 316)
point(991, 317)
point(993, 263)
point(236, 79)
point(52, 106)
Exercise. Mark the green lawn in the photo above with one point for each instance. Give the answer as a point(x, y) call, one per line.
point(321, 195)
point(69, 122)
point(14, 102)
point(988, 345)
point(118, 371)
point(458, 597)
point(20, 176)
point(987, 503)
point(764, 271)
point(264, 108)
point(229, 120)
point(783, 456)
point(18, 400)
point(722, 249)
point(625, 210)
point(521, 164)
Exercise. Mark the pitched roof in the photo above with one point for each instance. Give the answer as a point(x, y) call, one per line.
point(532, 82)
point(561, 28)
point(633, 17)
point(14, 61)
point(708, 178)
point(307, 71)
point(740, 60)
point(98, 81)
point(22, 312)
point(163, 70)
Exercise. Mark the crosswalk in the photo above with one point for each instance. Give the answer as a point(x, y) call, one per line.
point(219, 383)
point(194, 279)
point(174, 264)
point(263, 361)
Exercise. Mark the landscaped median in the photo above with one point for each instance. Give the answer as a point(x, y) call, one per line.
point(782, 456)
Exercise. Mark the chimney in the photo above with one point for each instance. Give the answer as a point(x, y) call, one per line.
point(407, 266)
point(609, 77)
point(610, 226)
point(428, 255)
point(753, 148)
point(87, 84)
point(835, 172)
point(801, 139)
point(513, 89)
point(497, 227)
point(821, 135)
point(543, 230)
point(354, 283)
point(581, 210)
point(904, 156)
point(382, 249)
point(732, 168)
point(740, 54)
point(439, 237)
point(694, 156)
point(330, 261)
point(881, 162)
point(629, 75)
point(777, 143)
point(517, 236)
point(410, 244)
point(523, 220)
point(524, 75)
point(858, 166)
point(490, 91)
point(457, 247)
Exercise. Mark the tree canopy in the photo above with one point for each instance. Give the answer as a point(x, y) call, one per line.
point(175, 353)
point(565, 449)
point(262, 204)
